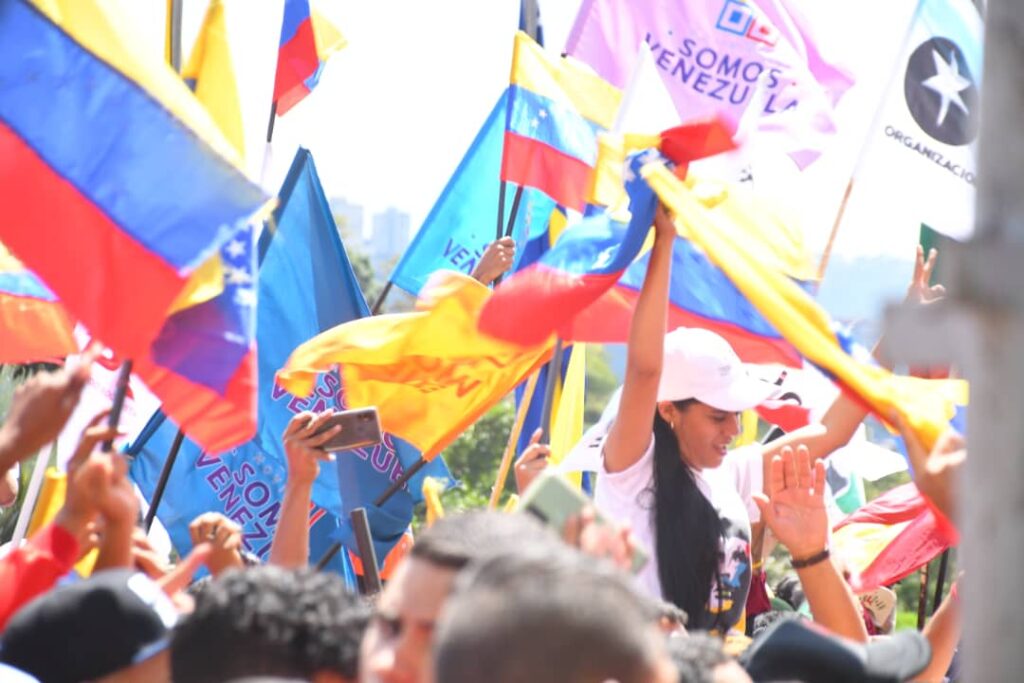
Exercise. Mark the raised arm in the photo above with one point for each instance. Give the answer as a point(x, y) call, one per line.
point(630, 434)
point(794, 510)
point(846, 413)
point(290, 547)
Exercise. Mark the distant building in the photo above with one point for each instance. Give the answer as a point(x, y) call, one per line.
point(390, 236)
point(349, 217)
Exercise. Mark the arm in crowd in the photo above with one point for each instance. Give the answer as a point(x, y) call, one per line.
point(846, 413)
point(943, 634)
point(290, 547)
point(936, 474)
point(497, 259)
point(224, 537)
point(34, 568)
point(630, 434)
point(794, 509)
point(39, 410)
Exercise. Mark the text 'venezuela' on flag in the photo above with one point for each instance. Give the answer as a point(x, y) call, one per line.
point(430, 373)
point(128, 222)
point(926, 405)
point(307, 40)
point(590, 257)
point(244, 484)
point(890, 537)
point(306, 285)
point(921, 166)
point(555, 110)
point(455, 232)
point(718, 56)
point(33, 324)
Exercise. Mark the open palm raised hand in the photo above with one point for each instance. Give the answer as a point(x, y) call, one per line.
point(794, 507)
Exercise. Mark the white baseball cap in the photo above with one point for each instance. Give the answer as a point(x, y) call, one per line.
point(697, 364)
point(700, 364)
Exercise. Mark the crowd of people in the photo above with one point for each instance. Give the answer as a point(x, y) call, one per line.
point(485, 595)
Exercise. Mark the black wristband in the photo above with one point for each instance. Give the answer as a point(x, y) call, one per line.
point(812, 560)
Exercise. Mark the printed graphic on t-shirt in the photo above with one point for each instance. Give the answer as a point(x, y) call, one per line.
point(729, 593)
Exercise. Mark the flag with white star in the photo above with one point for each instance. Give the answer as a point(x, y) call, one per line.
point(921, 166)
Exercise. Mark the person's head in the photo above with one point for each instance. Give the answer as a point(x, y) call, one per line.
point(702, 390)
point(703, 387)
point(790, 591)
point(398, 641)
point(271, 621)
point(113, 626)
point(700, 658)
point(547, 618)
point(795, 649)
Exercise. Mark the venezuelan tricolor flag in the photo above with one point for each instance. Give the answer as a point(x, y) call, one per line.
point(555, 111)
point(33, 324)
point(567, 291)
point(890, 537)
point(121, 194)
point(701, 294)
point(586, 261)
point(307, 40)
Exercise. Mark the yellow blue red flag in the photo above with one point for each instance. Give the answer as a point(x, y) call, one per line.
point(430, 373)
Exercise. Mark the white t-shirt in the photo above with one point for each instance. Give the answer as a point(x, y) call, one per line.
point(628, 496)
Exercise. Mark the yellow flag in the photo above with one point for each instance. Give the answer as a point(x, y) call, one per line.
point(430, 373)
point(567, 427)
point(926, 405)
point(211, 75)
point(49, 503)
point(748, 429)
point(432, 497)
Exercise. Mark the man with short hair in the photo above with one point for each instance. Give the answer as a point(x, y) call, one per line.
point(548, 618)
point(397, 644)
point(270, 621)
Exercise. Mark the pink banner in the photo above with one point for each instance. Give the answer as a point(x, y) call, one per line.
point(755, 63)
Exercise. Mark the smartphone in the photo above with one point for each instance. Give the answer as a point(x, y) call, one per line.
point(554, 500)
point(359, 428)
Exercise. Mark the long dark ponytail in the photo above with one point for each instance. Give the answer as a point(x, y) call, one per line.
point(687, 529)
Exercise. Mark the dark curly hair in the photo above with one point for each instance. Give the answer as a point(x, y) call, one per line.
point(269, 621)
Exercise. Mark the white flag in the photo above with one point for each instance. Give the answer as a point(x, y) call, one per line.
point(921, 165)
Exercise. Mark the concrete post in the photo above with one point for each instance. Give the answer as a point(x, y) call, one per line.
point(981, 329)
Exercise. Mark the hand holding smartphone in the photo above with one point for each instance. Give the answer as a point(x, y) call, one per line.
point(359, 428)
point(554, 501)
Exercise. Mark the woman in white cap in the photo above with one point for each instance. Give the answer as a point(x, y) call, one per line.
point(686, 496)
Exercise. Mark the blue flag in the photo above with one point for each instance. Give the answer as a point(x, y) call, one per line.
point(463, 221)
point(306, 285)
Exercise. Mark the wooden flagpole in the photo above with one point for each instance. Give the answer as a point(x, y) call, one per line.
point(513, 439)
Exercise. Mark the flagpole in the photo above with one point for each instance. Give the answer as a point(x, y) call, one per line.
point(554, 371)
point(823, 263)
point(391, 490)
point(940, 581)
point(513, 439)
point(515, 210)
point(922, 598)
point(165, 475)
point(28, 504)
point(380, 298)
point(501, 210)
point(367, 554)
point(173, 37)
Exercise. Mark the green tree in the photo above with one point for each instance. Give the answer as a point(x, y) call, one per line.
point(473, 459)
point(361, 266)
point(601, 383)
